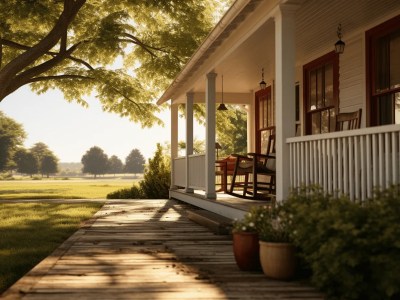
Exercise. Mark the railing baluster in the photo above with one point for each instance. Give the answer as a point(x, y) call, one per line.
point(374, 158)
point(351, 167)
point(298, 164)
point(329, 158)
point(315, 159)
point(387, 160)
point(395, 157)
point(346, 166)
point(363, 157)
point(357, 169)
point(307, 163)
point(370, 166)
point(335, 166)
point(340, 164)
point(381, 164)
point(302, 163)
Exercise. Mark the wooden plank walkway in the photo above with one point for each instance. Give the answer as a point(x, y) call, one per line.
point(148, 249)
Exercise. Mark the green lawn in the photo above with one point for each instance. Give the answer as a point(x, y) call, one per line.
point(61, 189)
point(29, 232)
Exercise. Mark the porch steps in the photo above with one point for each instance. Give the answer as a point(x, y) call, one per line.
point(218, 224)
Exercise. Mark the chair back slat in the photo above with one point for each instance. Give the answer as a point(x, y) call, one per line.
point(349, 120)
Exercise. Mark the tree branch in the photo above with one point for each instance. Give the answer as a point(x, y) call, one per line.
point(136, 41)
point(7, 74)
point(146, 47)
point(51, 53)
point(59, 77)
point(39, 69)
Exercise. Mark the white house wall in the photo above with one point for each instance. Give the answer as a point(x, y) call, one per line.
point(352, 77)
point(314, 41)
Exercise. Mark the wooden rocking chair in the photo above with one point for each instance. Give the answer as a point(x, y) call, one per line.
point(261, 168)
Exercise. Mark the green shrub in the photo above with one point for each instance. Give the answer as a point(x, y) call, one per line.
point(157, 177)
point(352, 249)
point(133, 192)
point(155, 183)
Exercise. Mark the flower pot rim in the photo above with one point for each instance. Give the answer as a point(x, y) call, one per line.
point(276, 243)
point(244, 232)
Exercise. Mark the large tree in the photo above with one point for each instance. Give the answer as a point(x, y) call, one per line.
point(26, 162)
point(46, 160)
point(231, 127)
point(95, 161)
point(12, 135)
point(115, 165)
point(49, 164)
point(232, 130)
point(125, 51)
point(134, 162)
point(39, 150)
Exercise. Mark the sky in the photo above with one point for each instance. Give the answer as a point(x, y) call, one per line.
point(69, 129)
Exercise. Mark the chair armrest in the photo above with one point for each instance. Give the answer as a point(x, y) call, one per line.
point(261, 155)
point(240, 156)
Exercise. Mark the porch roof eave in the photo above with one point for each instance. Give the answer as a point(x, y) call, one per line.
point(172, 92)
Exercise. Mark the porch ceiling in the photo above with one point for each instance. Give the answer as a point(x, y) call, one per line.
point(247, 43)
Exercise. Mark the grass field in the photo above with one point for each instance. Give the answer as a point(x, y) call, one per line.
point(29, 232)
point(61, 189)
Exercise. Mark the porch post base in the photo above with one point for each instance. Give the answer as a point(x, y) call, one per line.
point(211, 195)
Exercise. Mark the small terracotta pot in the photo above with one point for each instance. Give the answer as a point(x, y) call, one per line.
point(278, 260)
point(246, 249)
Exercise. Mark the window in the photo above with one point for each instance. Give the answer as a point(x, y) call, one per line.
point(321, 80)
point(265, 118)
point(383, 73)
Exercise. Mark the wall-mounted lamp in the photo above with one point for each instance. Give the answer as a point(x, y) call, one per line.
point(263, 85)
point(339, 45)
point(222, 105)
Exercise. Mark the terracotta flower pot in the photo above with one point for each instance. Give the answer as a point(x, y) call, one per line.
point(246, 249)
point(278, 260)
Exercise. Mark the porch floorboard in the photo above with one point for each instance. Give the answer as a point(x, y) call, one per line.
point(226, 205)
point(148, 249)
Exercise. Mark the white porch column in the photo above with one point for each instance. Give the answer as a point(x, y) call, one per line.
point(189, 137)
point(285, 94)
point(174, 140)
point(210, 136)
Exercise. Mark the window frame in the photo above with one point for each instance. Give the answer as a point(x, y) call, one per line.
point(371, 35)
point(258, 96)
point(330, 57)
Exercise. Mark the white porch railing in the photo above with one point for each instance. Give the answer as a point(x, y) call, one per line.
point(196, 169)
point(179, 171)
point(352, 162)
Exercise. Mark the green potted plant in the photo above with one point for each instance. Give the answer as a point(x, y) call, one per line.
point(246, 247)
point(277, 253)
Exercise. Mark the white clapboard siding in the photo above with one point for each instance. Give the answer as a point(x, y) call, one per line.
point(352, 162)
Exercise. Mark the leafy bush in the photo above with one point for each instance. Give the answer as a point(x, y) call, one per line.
point(157, 177)
point(128, 193)
point(155, 183)
point(6, 176)
point(353, 249)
